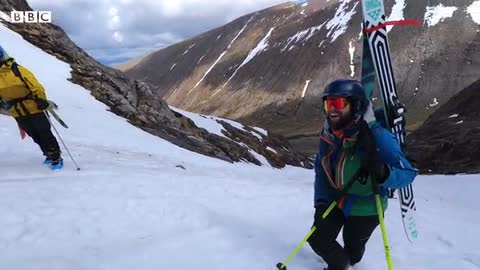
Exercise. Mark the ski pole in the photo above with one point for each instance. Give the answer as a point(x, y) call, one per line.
point(383, 228)
point(60, 137)
point(283, 266)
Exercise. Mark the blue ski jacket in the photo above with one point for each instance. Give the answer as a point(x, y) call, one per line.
point(336, 162)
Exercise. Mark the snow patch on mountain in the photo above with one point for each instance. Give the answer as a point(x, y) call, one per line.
point(437, 14)
point(397, 13)
point(200, 59)
point(261, 46)
point(339, 23)
point(351, 50)
point(321, 44)
point(223, 53)
point(474, 11)
point(211, 124)
point(191, 46)
point(272, 150)
point(307, 82)
point(207, 122)
point(261, 130)
point(303, 35)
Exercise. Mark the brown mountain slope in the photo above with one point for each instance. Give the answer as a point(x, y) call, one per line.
point(449, 140)
point(269, 68)
point(130, 64)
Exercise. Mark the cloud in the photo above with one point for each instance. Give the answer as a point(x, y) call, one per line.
point(121, 27)
point(117, 36)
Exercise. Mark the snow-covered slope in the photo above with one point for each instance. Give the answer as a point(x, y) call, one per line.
point(132, 207)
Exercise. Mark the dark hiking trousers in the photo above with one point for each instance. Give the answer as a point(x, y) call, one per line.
point(356, 232)
point(38, 128)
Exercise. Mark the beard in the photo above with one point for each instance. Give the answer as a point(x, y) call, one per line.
point(343, 122)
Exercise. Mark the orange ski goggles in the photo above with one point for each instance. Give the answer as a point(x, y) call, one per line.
point(338, 102)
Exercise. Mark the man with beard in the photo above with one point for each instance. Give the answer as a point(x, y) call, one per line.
point(355, 156)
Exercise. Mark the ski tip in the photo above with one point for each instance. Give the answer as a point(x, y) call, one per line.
point(281, 266)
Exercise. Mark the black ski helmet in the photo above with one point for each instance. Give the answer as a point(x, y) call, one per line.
point(351, 89)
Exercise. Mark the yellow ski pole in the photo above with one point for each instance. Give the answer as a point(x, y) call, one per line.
point(384, 229)
point(283, 266)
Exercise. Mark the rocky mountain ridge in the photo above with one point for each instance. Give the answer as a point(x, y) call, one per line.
point(137, 101)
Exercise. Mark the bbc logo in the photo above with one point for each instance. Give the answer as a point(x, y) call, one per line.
point(31, 17)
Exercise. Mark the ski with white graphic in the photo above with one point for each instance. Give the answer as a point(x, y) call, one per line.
point(378, 56)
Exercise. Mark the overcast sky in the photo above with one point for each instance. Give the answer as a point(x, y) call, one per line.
point(114, 31)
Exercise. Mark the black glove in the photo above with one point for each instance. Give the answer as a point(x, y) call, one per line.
point(42, 104)
point(374, 164)
point(379, 170)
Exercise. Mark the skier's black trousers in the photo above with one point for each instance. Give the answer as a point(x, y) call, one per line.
point(356, 232)
point(38, 128)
